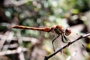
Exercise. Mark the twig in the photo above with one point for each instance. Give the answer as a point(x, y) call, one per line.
point(7, 36)
point(18, 50)
point(69, 43)
point(5, 47)
point(26, 39)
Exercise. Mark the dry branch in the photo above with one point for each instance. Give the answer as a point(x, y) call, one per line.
point(7, 36)
point(19, 50)
point(67, 45)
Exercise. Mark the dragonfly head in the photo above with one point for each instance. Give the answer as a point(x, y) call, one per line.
point(67, 32)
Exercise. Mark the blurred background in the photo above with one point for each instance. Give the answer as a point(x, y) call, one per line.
point(19, 44)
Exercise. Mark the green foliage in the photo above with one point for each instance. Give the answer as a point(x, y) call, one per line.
point(3, 28)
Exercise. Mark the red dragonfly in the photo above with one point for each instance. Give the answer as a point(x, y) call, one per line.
point(56, 29)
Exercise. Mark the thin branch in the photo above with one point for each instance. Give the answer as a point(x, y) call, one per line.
point(69, 43)
point(18, 50)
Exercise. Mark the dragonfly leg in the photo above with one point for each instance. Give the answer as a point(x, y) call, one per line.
point(53, 42)
point(64, 38)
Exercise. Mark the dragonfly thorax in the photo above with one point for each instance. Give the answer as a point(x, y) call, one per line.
point(56, 31)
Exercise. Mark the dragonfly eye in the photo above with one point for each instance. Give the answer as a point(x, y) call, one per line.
point(67, 32)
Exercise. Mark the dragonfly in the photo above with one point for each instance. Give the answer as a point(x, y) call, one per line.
point(58, 29)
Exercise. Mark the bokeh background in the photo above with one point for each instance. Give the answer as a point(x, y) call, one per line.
point(19, 44)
